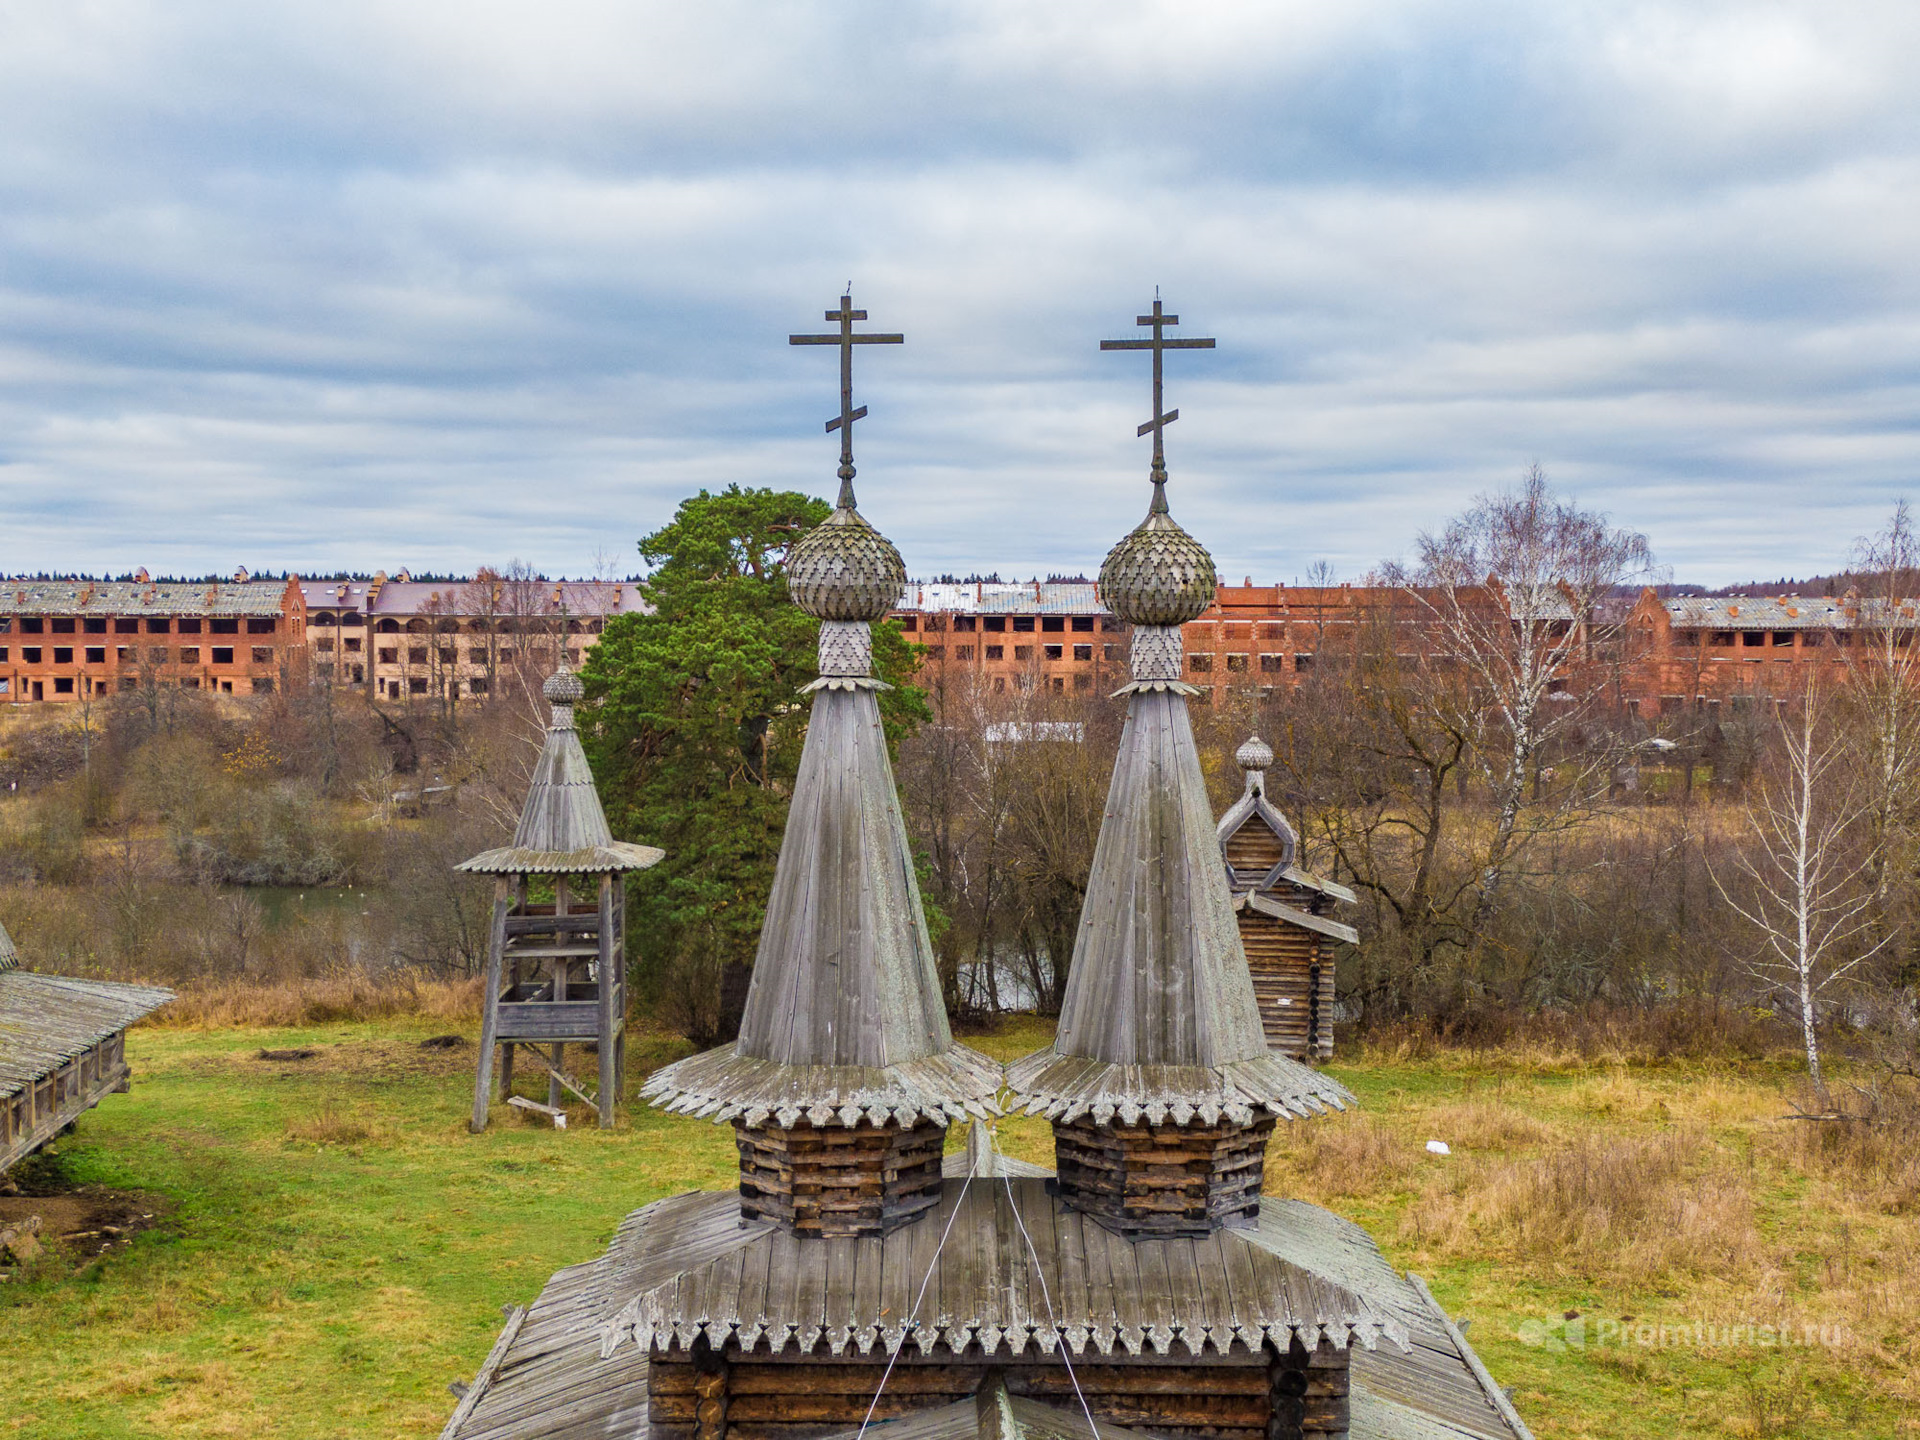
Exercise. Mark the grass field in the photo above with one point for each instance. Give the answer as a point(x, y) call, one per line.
point(332, 1247)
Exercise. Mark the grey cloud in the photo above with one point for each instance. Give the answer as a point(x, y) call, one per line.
point(499, 281)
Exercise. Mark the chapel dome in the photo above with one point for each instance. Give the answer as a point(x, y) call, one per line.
point(844, 569)
point(1157, 575)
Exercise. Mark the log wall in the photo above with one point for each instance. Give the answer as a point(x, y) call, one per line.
point(1293, 981)
point(1240, 1395)
point(1162, 1180)
point(37, 1112)
point(838, 1179)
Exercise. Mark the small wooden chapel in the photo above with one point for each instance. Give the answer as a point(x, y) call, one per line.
point(861, 1281)
point(1283, 910)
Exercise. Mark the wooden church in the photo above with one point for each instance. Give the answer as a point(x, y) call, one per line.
point(858, 1281)
point(1283, 913)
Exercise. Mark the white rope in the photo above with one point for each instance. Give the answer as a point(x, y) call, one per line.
point(914, 1314)
point(1053, 1320)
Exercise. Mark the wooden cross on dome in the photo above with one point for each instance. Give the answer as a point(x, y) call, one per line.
point(1159, 320)
point(843, 422)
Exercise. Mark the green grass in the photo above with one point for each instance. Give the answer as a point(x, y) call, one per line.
point(337, 1247)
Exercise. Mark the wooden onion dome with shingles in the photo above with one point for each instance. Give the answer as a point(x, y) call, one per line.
point(845, 1074)
point(62, 1049)
point(556, 970)
point(1283, 912)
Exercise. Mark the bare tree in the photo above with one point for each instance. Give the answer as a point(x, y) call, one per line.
point(1884, 668)
point(1512, 590)
point(1805, 881)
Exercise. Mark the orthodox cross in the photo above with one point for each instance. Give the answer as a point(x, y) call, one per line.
point(843, 422)
point(1159, 320)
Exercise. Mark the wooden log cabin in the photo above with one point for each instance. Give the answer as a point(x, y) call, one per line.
point(1145, 1285)
point(63, 1049)
point(556, 969)
point(1282, 912)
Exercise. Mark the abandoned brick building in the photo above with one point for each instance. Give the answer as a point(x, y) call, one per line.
point(1700, 656)
point(402, 639)
point(855, 1275)
point(73, 640)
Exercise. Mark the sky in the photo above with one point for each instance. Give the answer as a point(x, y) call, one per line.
point(363, 285)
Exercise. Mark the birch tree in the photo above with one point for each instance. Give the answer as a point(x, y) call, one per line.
point(1510, 593)
point(1804, 882)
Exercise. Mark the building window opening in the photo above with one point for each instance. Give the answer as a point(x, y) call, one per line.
point(63, 627)
point(1083, 652)
point(995, 652)
point(33, 625)
point(156, 626)
point(189, 627)
point(1023, 652)
point(1053, 623)
point(909, 624)
point(964, 622)
point(30, 654)
point(95, 627)
point(63, 685)
point(1200, 663)
point(1751, 638)
point(1272, 664)
point(963, 652)
point(1053, 651)
point(1303, 662)
point(1083, 624)
point(1236, 662)
point(1023, 623)
point(96, 654)
point(223, 655)
point(263, 654)
point(63, 655)
point(994, 622)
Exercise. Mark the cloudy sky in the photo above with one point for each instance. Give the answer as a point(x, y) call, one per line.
point(438, 284)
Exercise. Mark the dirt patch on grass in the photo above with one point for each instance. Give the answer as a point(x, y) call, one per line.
point(76, 1221)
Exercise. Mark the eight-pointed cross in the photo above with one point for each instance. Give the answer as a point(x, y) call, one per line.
point(843, 422)
point(1161, 419)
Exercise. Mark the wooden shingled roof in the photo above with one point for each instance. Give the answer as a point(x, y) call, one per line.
point(1105, 1293)
point(1159, 1016)
point(46, 1020)
point(550, 1377)
point(562, 828)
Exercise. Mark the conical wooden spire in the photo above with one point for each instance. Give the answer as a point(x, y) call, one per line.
point(844, 1020)
point(562, 828)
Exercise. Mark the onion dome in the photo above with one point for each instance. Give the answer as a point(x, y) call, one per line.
point(1254, 755)
point(563, 687)
point(844, 569)
point(1159, 574)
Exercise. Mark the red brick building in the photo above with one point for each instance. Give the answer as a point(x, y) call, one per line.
point(62, 641)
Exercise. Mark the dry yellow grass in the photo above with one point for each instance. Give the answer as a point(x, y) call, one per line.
point(295, 1004)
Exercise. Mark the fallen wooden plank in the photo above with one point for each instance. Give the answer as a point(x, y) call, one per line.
point(559, 1116)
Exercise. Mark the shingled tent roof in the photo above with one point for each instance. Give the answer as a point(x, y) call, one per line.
point(9, 957)
point(844, 1019)
point(562, 828)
